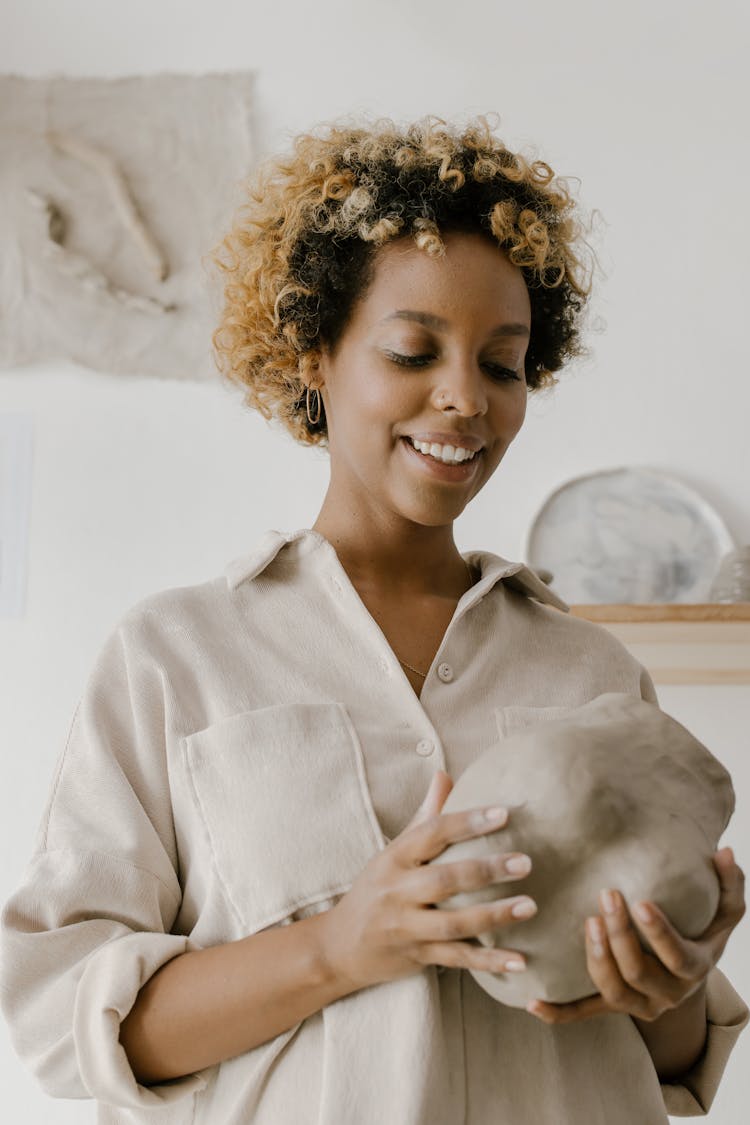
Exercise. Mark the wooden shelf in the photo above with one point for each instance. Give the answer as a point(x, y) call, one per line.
point(706, 643)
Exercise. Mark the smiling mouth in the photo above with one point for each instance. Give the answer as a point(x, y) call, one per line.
point(457, 472)
point(475, 454)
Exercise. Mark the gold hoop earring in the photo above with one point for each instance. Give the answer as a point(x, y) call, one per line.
point(312, 421)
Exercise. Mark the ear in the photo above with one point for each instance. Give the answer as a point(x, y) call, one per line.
point(309, 368)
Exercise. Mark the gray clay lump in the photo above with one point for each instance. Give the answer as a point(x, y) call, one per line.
point(615, 793)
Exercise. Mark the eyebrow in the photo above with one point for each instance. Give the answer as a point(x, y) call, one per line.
point(430, 320)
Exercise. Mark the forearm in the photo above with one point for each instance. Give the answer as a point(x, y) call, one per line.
point(215, 1003)
point(676, 1039)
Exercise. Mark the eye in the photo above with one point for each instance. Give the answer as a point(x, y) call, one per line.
point(503, 373)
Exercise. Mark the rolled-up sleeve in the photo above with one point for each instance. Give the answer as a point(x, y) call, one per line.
point(727, 1015)
point(90, 922)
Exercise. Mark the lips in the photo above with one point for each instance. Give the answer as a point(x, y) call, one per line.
point(460, 471)
point(454, 442)
point(466, 441)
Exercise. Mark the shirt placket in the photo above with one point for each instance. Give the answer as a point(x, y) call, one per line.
point(427, 742)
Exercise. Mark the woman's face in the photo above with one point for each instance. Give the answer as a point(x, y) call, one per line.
point(469, 379)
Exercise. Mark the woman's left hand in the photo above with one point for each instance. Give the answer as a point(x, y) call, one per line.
point(637, 983)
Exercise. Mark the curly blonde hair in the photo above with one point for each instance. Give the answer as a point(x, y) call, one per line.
point(302, 251)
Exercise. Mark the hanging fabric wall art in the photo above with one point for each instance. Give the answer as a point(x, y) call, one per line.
point(113, 192)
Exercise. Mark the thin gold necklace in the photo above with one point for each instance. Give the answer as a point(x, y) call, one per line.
point(424, 674)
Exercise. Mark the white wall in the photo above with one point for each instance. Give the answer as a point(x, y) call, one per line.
point(140, 484)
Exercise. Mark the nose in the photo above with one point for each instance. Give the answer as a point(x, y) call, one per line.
point(462, 384)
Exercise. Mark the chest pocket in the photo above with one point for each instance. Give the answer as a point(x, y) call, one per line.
point(515, 717)
point(283, 796)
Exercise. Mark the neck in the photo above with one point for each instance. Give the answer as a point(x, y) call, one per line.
point(423, 565)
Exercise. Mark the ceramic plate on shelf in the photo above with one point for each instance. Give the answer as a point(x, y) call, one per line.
point(627, 535)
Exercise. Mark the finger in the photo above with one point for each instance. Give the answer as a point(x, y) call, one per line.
point(605, 972)
point(435, 882)
point(731, 887)
point(455, 923)
point(568, 1013)
point(472, 955)
point(685, 959)
point(649, 974)
point(424, 841)
point(731, 907)
point(434, 799)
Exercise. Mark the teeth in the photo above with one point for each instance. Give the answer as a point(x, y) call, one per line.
point(448, 454)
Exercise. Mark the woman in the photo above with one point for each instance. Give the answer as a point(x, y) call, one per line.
point(229, 916)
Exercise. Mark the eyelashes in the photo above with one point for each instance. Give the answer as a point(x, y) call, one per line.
point(505, 373)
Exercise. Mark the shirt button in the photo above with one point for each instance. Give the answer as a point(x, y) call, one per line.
point(445, 672)
point(425, 747)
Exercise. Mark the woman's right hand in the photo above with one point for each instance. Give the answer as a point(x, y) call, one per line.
point(386, 927)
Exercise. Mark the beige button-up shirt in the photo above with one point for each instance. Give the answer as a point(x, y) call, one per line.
point(240, 750)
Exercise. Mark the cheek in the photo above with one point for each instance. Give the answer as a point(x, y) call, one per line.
point(520, 412)
point(379, 401)
point(509, 412)
point(365, 417)
point(515, 410)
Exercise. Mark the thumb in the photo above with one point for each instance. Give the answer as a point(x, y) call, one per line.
point(439, 788)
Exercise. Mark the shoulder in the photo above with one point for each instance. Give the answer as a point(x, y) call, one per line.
point(586, 648)
point(174, 603)
point(165, 615)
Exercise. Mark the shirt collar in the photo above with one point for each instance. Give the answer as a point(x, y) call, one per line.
point(492, 567)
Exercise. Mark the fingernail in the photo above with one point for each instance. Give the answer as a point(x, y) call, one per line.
point(524, 909)
point(608, 902)
point(515, 966)
point(595, 929)
point(642, 911)
point(518, 865)
point(495, 815)
point(595, 935)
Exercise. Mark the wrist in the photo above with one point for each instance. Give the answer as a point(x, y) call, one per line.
point(695, 1001)
point(330, 967)
point(677, 1038)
